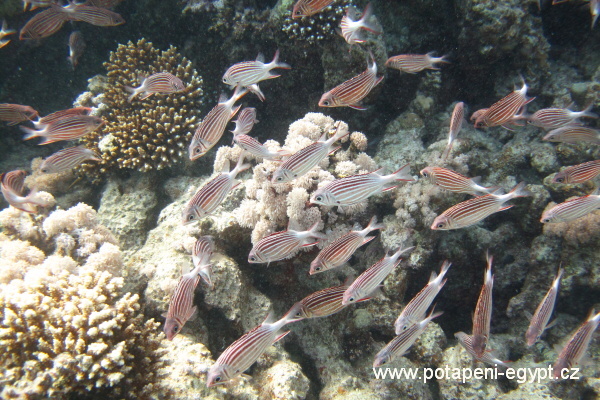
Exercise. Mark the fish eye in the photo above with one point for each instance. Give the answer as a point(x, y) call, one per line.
point(318, 269)
point(279, 178)
point(559, 180)
point(175, 329)
point(197, 150)
point(440, 225)
point(191, 217)
point(252, 258)
point(319, 198)
point(224, 80)
point(425, 174)
point(298, 314)
point(351, 299)
point(218, 379)
point(546, 220)
point(326, 103)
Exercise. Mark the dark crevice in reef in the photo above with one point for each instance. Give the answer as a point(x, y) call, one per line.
point(308, 368)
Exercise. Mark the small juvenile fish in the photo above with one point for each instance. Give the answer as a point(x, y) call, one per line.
point(542, 314)
point(351, 92)
point(552, 118)
point(248, 73)
point(572, 209)
point(307, 158)
point(401, 343)
point(55, 116)
point(466, 341)
point(5, 32)
point(482, 318)
point(577, 345)
point(67, 159)
point(340, 250)
point(578, 173)
point(162, 82)
point(12, 185)
point(245, 121)
point(306, 8)
point(455, 182)
point(213, 126)
point(504, 110)
point(281, 245)
point(201, 254)
point(319, 304)
point(76, 47)
point(212, 194)
point(474, 210)
point(456, 123)
point(97, 16)
point(16, 113)
point(416, 309)
point(356, 188)
point(253, 146)
point(68, 128)
point(369, 280)
point(44, 24)
point(573, 134)
point(352, 24)
point(413, 63)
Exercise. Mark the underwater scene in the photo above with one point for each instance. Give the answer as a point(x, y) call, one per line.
point(299, 199)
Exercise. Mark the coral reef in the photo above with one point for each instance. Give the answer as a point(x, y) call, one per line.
point(319, 27)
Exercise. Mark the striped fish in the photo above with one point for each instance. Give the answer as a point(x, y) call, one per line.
point(253, 146)
point(477, 114)
point(5, 32)
point(413, 63)
point(55, 116)
point(456, 123)
point(244, 352)
point(356, 188)
point(162, 82)
point(201, 254)
point(552, 118)
point(455, 182)
point(68, 128)
point(76, 47)
point(401, 343)
point(247, 73)
point(12, 186)
point(44, 24)
point(97, 16)
point(503, 112)
point(306, 8)
point(319, 304)
point(573, 134)
point(572, 209)
point(16, 113)
point(307, 158)
point(213, 125)
point(466, 341)
point(482, 318)
point(281, 245)
point(255, 89)
point(212, 194)
point(353, 22)
point(539, 321)
point(340, 250)
point(245, 121)
point(416, 309)
point(578, 173)
point(67, 159)
point(474, 210)
point(36, 3)
point(577, 345)
point(351, 92)
point(181, 306)
point(369, 280)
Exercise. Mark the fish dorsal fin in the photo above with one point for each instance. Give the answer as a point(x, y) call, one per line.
point(260, 58)
point(223, 98)
point(476, 179)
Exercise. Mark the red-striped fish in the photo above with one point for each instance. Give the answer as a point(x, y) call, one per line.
point(36, 3)
point(573, 134)
point(578, 173)
point(68, 128)
point(351, 92)
point(201, 254)
point(353, 22)
point(55, 116)
point(307, 158)
point(242, 353)
point(306, 8)
point(572, 209)
point(67, 159)
point(340, 250)
point(417, 307)
point(401, 343)
point(474, 210)
point(12, 185)
point(76, 47)
point(16, 113)
point(5, 32)
point(253, 146)
point(413, 63)
point(319, 304)
point(477, 114)
point(97, 16)
point(356, 188)
point(466, 341)
point(503, 111)
point(542, 314)
point(245, 121)
point(456, 123)
point(43, 24)
point(247, 73)
point(455, 182)
point(552, 118)
point(212, 194)
point(576, 347)
point(369, 280)
point(162, 82)
point(213, 125)
point(482, 318)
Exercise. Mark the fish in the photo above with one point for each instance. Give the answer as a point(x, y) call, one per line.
point(161, 82)
point(201, 254)
point(103, 3)
point(245, 121)
point(403, 342)
point(253, 146)
point(244, 352)
point(12, 187)
point(5, 32)
point(255, 89)
point(413, 63)
point(417, 307)
point(351, 92)
point(573, 134)
point(181, 306)
point(44, 24)
point(455, 182)
point(97, 16)
point(306, 8)
point(339, 251)
point(299, 163)
point(503, 112)
point(68, 128)
point(356, 188)
point(466, 341)
point(482, 318)
point(572, 209)
point(456, 123)
point(594, 11)
point(67, 159)
point(369, 280)
point(553, 118)
point(472, 211)
point(76, 47)
point(212, 127)
point(577, 345)
point(578, 173)
point(539, 321)
point(477, 114)
point(55, 116)
point(211, 195)
point(351, 25)
point(248, 73)
point(36, 3)
point(323, 303)
point(16, 113)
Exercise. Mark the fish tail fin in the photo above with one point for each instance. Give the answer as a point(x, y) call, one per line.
point(134, 92)
point(447, 151)
point(312, 231)
point(587, 111)
point(445, 267)
point(520, 191)
point(30, 133)
point(373, 225)
point(369, 22)
point(276, 64)
point(401, 251)
point(340, 132)
point(289, 316)
point(238, 93)
point(402, 174)
point(240, 166)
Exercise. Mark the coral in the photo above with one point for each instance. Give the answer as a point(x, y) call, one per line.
point(315, 28)
point(581, 231)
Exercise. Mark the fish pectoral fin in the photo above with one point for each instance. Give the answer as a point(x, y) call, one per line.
point(528, 315)
point(357, 107)
point(309, 244)
point(506, 207)
point(278, 338)
point(389, 188)
point(551, 324)
point(148, 94)
point(192, 313)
